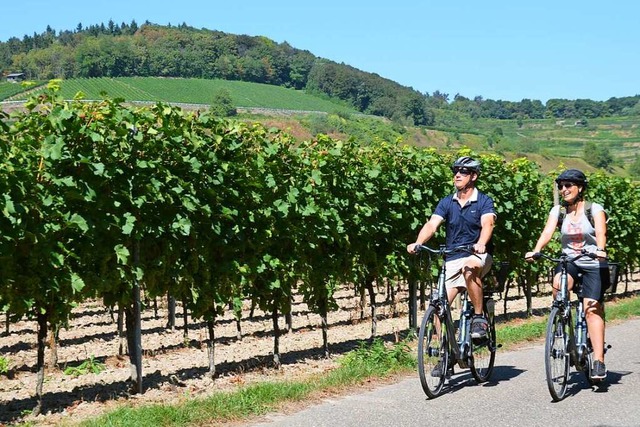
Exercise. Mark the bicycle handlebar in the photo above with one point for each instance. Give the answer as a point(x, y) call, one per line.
point(442, 250)
point(564, 257)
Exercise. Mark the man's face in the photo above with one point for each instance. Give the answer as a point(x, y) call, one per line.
point(462, 177)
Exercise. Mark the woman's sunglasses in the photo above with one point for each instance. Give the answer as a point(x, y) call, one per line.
point(562, 185)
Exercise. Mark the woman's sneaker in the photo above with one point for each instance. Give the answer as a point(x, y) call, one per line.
point(438, 369)
point(598, 371)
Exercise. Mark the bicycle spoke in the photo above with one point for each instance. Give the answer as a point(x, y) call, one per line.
point(483, 356)
point(432, 354)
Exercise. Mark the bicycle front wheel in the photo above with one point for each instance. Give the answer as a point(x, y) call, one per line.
point(556, 351)
point(433, 354)
point(483, 355)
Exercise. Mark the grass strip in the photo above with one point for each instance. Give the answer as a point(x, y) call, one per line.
point(370, 360)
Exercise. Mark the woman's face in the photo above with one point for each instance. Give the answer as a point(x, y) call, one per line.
point(569, 190)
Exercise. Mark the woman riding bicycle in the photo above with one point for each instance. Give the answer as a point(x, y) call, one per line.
point(470, 218)
point(577, 234)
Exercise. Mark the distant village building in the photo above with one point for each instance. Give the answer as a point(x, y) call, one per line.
point(15, 77)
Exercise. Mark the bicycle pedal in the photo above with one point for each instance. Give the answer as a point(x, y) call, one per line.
point(480, 341)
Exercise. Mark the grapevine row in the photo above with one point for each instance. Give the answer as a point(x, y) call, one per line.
point(101, 200)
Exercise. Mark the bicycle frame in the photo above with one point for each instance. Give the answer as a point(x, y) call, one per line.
point(439, 350)
point(567, 341)
point(577, 342)
point(460, 352)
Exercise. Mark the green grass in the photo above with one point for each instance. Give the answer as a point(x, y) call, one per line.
point(89, 366)
point(369, 361)
point(8, 89)
point(197, 91)
point(4, 365)
point(375, 360)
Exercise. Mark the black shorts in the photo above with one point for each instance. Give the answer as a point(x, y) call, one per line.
point(589, 282)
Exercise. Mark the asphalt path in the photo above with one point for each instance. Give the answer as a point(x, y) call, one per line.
point(516, 395)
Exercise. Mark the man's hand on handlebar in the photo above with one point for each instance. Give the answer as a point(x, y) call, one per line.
point(479, 249)
point(412, 248)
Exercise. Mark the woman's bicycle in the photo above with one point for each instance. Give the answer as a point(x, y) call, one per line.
point(440, 347)
point(567, 342)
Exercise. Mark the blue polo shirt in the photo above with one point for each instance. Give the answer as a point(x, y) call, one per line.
point(463, 223)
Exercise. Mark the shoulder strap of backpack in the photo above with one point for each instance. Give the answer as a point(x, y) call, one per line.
point(588, 213)
point(561, 215)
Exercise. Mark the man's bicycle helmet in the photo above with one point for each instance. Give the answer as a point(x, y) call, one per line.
point(573, 175)
point(467, 162)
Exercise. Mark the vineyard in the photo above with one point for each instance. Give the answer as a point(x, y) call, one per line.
point(190, 91)
point(111, 207)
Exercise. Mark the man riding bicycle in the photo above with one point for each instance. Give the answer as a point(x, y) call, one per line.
point(470, 219)
point(577, 233)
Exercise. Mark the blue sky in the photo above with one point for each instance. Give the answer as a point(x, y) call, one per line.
point(498, 49)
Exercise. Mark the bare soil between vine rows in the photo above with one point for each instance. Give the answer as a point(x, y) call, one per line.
point(175, 368)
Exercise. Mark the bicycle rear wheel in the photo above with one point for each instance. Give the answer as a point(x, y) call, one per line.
point(483, 355)
point(433, 354)
point(556, 352)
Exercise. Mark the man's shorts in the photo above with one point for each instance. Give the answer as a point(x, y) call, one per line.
point(455, 278)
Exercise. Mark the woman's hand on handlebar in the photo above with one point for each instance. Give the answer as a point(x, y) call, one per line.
point(531, 256)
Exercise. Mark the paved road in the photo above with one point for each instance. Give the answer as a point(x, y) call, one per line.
point(517, 395)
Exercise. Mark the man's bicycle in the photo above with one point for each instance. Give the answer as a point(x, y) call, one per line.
point(567, 342)
point(440, 346)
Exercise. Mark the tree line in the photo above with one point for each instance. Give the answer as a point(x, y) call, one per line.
point(118, 50)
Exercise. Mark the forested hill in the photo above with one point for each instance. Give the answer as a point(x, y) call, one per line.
point(124, 50)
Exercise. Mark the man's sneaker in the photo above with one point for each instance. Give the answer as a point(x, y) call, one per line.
point(479, 326)
point(598, 371)
point(437, 370)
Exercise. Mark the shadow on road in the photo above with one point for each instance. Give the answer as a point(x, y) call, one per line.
point(578, 383)
point(500, 374)
point(503, 374)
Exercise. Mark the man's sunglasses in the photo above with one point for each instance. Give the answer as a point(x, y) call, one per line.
point(562, 185)
point(461, 171)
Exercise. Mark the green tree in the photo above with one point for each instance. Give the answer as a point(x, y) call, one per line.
point(634, 167)
point(222, 104)
point(598, 155)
